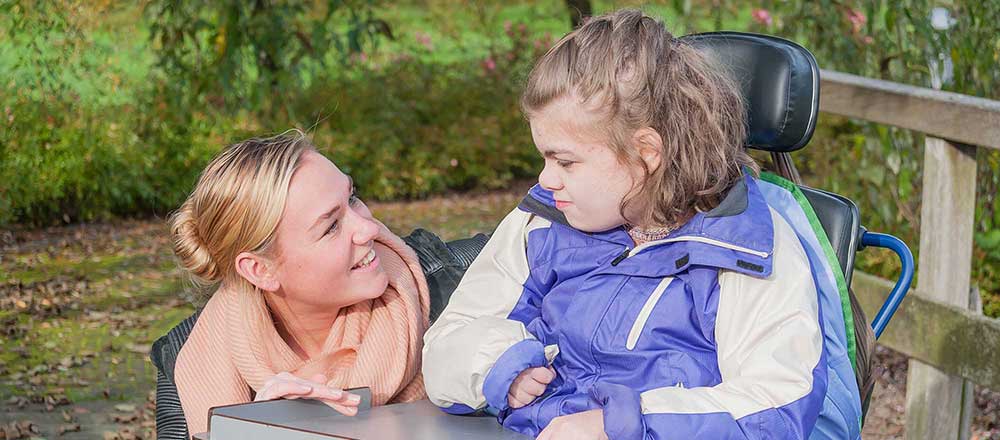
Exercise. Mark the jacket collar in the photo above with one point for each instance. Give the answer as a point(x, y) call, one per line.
point(737, 235)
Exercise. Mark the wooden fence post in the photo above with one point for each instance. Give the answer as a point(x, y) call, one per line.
point(937, 404)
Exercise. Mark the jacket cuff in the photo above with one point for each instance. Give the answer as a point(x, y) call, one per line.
point(458, 409)
point(528, 353)
point(622, 411)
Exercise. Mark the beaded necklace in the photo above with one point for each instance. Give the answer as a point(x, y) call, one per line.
point(640, 235)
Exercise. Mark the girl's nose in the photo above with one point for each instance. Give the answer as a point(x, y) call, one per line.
point(549, 179)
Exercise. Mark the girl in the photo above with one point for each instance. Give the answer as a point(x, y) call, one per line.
point(645, 288)
point(313, 294)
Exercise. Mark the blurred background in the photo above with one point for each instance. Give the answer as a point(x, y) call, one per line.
point(109, 110)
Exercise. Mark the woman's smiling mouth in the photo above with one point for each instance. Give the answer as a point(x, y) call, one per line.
point(370, 261)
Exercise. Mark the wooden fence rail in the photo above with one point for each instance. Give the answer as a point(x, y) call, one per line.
point(951, 346)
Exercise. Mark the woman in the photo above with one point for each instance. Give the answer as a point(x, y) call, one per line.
point(311, 294)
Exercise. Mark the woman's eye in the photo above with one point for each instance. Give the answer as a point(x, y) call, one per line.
point(354, 199)
point(333, 227)
point(564, 163)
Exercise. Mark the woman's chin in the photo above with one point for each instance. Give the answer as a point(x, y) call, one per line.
point(372, 285)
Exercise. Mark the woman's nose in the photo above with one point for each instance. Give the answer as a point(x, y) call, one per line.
point(366, 230)
point(549, 179)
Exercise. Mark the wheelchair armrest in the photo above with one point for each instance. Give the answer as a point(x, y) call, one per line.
point(902, 284)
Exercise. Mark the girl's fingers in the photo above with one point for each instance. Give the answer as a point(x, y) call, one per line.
point(533, 387)
point(513, 401)
point(524, 396)
point(543, 375)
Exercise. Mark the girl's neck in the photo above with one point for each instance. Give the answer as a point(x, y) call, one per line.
point(303, 327)
point(642, 235)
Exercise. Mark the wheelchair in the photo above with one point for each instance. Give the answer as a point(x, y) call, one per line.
point(780, 82)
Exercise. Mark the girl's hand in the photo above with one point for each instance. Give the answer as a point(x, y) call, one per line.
point(528, 385)
point(285, 385)
point(587, 425)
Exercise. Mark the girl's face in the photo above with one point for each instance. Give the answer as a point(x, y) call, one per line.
point(325, 240)
point(586, 179)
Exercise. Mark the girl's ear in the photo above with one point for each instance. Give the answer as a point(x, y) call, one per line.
point(258, 270)
point(650, 146)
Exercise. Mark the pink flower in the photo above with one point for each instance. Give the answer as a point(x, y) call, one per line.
point(506, 26)
point(868, 39)
point(857, 19)
point(762, 16)
point(424, 40)
point(489, 64)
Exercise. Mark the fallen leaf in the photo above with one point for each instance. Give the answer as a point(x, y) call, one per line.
point(138, 348)
point(73, 427)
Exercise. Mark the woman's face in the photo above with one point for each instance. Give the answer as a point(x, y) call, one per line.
point(325, 255)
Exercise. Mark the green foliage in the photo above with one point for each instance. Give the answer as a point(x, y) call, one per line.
point(234, 54)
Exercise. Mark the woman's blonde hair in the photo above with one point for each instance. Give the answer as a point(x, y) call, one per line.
point(236, 206)
point(628, 67)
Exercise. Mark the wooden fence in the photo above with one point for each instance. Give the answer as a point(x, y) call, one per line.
point(951, 346)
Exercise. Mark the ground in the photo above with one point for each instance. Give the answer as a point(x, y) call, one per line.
point(80, 306)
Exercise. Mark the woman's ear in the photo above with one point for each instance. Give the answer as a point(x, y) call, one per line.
point(650, 146)
point(258, 271)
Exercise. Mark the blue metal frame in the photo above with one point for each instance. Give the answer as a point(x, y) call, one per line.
point(902, 284)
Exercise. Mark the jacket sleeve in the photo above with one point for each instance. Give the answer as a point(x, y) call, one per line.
point(770, 353)
point(480, 342)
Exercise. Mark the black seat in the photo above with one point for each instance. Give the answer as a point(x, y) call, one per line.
point(841, 222)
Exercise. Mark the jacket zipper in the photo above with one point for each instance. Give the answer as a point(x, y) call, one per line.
point(647, 309)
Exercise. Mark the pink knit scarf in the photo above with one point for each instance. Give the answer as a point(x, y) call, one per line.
point(374, 343)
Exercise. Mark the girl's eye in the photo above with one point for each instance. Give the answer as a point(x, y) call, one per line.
point(333, 227)
point(564, 163)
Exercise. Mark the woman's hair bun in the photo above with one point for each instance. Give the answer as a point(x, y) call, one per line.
point(190, 249)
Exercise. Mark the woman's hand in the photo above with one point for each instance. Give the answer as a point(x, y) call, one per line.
point(587, 425)
point(285, 385)
point(528, 385)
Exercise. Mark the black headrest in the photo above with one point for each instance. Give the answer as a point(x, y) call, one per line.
point(779, 80)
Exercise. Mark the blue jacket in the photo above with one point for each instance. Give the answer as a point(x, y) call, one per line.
point(716, 331)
